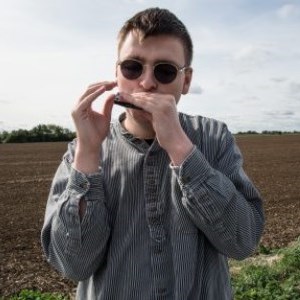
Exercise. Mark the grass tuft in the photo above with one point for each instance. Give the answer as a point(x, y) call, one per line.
point(279, 280)
point(36, 295)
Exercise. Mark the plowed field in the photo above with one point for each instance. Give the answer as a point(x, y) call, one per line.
point(26, 170)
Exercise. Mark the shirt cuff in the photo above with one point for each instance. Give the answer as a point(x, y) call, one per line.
point(175, 168)
point(89, 185)
point(194, 169)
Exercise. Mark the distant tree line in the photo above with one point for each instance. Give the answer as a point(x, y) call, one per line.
point(39, 133)
point(54, 133)
point(274, 132)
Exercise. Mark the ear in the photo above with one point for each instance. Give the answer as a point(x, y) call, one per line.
point(188, 74)
point(116, 70)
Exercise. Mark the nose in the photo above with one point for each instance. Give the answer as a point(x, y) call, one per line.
point(147, 80)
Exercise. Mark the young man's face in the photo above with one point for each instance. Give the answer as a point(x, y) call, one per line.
point(150, 51)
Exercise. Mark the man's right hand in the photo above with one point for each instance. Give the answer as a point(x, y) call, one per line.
point(91, 126)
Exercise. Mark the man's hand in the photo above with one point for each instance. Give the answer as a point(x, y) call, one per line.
point(162, 113)
point(91, 126)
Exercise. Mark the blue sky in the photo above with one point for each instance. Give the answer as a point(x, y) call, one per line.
point(246, 62)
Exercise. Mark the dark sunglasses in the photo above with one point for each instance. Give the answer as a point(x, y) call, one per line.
point(163, 72)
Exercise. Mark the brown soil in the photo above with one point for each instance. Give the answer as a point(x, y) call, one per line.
point(273, 163)
point(26, 171)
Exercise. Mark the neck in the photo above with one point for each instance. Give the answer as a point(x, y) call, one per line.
point(141, 129)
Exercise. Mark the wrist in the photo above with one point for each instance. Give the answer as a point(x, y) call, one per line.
point(180, 150)
point(86, 161)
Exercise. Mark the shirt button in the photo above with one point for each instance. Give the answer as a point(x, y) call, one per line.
point(73, 210)
point(84, 185)
point(152, 182)
point(150, 163)
point(162, 290)
point(157, 250)
point(185, 179)
point(155, 220)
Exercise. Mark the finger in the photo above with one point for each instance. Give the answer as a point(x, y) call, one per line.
point(109, 85)
point(83, 108)
point(92, 88)
point(129, 101)
point(154, 102)
point(87, 101)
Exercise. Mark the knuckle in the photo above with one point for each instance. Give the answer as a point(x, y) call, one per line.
point(73, 113)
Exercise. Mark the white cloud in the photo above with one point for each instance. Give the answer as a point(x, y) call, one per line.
point(280, 114)
point(278, 79)
point(196, 89)
point(294, 88)
point(252, 57)
point(135, 1)
point(288, 10)
point(256, 53)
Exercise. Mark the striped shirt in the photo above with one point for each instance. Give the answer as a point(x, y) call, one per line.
point(152, 230)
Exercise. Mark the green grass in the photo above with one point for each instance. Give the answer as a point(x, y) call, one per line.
point(278, 280)
point(36, 295)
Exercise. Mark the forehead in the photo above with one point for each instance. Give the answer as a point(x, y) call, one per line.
point(152, 48)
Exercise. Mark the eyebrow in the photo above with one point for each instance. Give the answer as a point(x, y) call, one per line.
point(143, 60)
point(137, 57)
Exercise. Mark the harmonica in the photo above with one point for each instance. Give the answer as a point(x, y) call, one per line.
point(125, 104)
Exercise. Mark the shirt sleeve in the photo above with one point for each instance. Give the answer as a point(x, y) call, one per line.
point(221, 200)
point(73, 246)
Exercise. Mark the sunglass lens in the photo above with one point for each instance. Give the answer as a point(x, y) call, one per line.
point(131, 69)
point(165, 73)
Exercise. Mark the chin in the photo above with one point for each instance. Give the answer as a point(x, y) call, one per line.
point(139, 116)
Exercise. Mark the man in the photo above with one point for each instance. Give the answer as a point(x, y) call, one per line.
point(150, 206)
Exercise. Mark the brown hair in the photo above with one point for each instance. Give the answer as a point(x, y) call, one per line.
point(157, 21)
